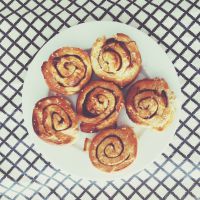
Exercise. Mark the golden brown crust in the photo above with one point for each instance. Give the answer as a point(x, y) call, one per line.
point(67, 70)
point(116, 59)
point(55, 121)
point(98, 105)
point(150, 102)
point(87, 144)
point(113, 149)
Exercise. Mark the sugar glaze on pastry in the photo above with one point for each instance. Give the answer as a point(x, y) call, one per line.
point(150, 102)
point(116, 59)
point(67, 70)
point(113, 149)
point(55, 121)
point(98, 105)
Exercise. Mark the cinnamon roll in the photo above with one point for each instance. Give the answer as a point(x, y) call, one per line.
point(67, 70)
point(150, 102)
point(98, 105)
point(55, 121)
point(113, 149)
point(116, 59)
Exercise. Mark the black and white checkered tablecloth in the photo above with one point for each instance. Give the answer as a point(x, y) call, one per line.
point(25, 26)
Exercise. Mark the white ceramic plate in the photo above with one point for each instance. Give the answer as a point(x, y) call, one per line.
point(71, 158)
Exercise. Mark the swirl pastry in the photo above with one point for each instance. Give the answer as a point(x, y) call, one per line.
point(116, 59)
point(150, 102)
point(98, 105)
point(67, 70)
point(55, 121)
point(113, 149)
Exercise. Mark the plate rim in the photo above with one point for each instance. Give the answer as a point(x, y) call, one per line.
point(100, 22)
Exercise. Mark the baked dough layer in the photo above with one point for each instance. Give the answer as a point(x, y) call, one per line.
point(67, 70)
point(150, 102)
point(55, 121)
point(113, 149)
point(116, 59)
point(98, 105)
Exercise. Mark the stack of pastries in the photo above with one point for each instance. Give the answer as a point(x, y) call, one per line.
point(116, 61)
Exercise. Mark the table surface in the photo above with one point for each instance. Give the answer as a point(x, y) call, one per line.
point(25, 26)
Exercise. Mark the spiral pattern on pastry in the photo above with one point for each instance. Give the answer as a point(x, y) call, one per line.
point(116, 59)
point(150, 102)
point(55, 121)
point(113, 149)
point(67, 70)
point(98, 105)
